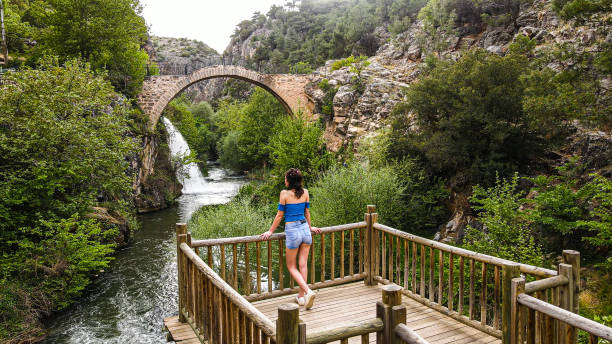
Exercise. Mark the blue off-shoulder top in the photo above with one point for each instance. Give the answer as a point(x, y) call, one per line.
point(294, 211)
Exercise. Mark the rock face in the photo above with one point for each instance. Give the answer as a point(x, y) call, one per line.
point(180, 55)
point(155, 185)
point(396, 64)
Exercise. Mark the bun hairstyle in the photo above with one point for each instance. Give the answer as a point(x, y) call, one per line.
point(294, 178)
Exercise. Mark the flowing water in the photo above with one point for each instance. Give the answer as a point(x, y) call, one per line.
point(127, 303)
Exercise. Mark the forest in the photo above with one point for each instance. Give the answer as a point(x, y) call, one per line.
point(490, 127)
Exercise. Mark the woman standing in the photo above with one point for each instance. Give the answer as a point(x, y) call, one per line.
point(294, 205)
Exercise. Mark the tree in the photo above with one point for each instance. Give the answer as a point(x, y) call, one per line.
point(438, 25)
point(297, 143)
point(483, 114)
point(64, 138)
point(107, 33)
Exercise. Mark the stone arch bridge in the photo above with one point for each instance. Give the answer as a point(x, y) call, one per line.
point(158, 91)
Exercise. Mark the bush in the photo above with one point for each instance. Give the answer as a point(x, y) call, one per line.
point(236, 218)
point(64, 141)
point(424, 195)
point(341, 194)
point(574, 214)
point(506, 233)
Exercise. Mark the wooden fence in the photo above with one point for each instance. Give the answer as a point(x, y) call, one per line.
point(476, 289)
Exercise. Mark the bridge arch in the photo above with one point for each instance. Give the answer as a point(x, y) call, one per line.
point(158, 91)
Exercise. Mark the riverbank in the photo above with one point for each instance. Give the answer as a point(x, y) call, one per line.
point(128, 302)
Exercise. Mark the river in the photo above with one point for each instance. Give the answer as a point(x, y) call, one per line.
point(127, 303)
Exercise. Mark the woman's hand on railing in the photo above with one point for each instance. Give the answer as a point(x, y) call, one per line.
point(315, 230)
point(266, 235)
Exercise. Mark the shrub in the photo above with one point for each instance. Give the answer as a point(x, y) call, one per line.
point(506, 233)
point(574, 214)
point(349, 61)
point(236, 218)
point(328, 101)
point(64, 142)
point(341, 194)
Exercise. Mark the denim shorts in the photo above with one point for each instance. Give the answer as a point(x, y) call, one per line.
point(297, 233)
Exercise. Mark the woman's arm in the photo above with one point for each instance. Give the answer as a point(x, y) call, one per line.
point(277, 219)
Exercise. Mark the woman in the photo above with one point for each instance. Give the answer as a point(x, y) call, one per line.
point(294, 204)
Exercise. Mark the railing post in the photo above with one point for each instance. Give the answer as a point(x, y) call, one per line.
point(572, 258)
point(391, 296)
point(367, 256)
point(370, 246)
point(287, 324)
point(567, 334)
point(509, 271)
point(517, 322)
point(398, 316)
point(181, 237)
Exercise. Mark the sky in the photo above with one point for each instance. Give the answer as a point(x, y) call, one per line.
point(209, 21)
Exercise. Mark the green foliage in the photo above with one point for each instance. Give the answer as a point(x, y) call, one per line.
point(438, 19)
point(506, 233)
point(64, 141)
point(328, 101)
point(322, 30)
point(581, 9)
point(106, 33)
point(236, 218)
point(423, 209)
point(483, 114)
point(298, 143)
point(251, 126)
point(341, 194)
point(347, 62)
point(302, 68)
point(402, 13)
point(574, 214)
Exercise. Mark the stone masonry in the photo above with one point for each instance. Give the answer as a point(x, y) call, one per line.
point(158, 91)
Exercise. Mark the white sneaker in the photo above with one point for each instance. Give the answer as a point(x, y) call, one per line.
point(299, 300)
point(309, 299)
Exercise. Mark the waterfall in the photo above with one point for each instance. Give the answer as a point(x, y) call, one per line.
point(189, 175)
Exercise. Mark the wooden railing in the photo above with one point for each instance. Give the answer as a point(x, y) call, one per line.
point(215, 311)
point(551, 316)
point(462, 284)
point(475, 289)
point(336, 257)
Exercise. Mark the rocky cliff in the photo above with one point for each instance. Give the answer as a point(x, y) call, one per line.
point(180, 56)
point(355, 103)
point(155, 185)
point(358, 113)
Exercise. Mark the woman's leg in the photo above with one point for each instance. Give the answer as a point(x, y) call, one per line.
point(291, 254)
point(303, 264)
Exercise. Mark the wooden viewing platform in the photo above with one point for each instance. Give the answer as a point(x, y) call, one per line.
point(374, 284)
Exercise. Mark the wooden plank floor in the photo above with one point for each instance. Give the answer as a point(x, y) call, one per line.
point(181, 332)
point(352, 302)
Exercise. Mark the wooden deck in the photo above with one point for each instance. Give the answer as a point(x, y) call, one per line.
point(351, 302)
point(180, 332)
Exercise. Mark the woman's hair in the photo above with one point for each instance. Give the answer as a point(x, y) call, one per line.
point(294, 178)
